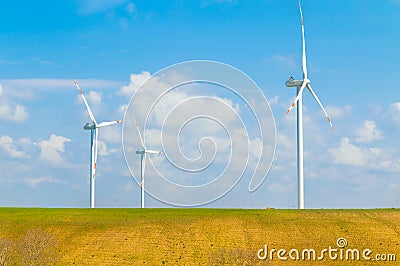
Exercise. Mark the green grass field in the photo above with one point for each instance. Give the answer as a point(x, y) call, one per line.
point(204, 236)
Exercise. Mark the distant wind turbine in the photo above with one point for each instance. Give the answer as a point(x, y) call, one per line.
point(301, 84)
point(94, 130)
point(143, 154)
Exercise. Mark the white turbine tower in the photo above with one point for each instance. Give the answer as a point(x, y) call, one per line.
point(94, 129)
point(301, 84)
point(143, 154)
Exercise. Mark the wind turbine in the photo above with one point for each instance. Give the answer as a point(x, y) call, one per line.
point(94, 131)
point(301, 84)
point(143, 154)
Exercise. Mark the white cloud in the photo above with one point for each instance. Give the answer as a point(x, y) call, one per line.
point(370, 158)
point(20, 114)
point(122, 108)
point(10, 111)
point(338, 112)
point(285, 141)
point(51, 150)
point(289, 61)
point(135, 81)
point(368, 132)
point(273, 100)
point(362, 154)
point(394, 113)
point(395, 106)
point(25, 142)
point(103, 150)
point(256, 147)
point(130, 8)
point(226, 1)
point(8, 145)
point(33, 182)
point(177, 106)
point(111, 134)
point(175, 103)
point(94, 100)
point(350, 154)
point(94, 97)
point(206, 3)
point(15, 113)
point(279, 188)
point(390, 165)
point(89, 7)
point(13, 87)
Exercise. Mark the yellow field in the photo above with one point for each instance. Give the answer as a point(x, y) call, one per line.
point(207, 236)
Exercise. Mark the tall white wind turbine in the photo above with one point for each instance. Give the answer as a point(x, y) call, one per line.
point(94, 130)
point(143, 151)
point(301, 84)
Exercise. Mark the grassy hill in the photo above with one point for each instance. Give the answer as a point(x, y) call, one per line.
point(205, 236)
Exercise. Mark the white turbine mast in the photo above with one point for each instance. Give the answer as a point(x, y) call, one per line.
point(94, 130)
point(143, 151)
point(301, 84)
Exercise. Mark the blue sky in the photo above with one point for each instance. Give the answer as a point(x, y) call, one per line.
point(352, 49)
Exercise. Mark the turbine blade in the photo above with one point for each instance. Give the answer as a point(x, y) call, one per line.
point(304, 58)
point(86, 103)
point(104, 124)
point(297, 97)
point(153, 152)
point(140, 135)
point(320, 104)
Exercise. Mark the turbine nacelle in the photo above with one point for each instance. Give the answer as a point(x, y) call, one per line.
point(139, 151)
point(291, 82)
point(87, 126)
